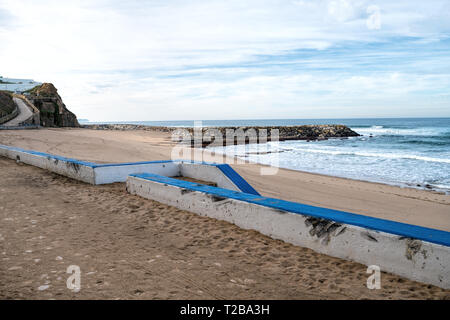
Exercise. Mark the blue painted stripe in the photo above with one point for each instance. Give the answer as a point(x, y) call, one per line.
point(85, 163)
point(240, 182)
point(397, 228)
point(51, 156)
point(225, 168)
point(230, 173)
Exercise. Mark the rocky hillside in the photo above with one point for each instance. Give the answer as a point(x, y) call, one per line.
point(7, 104)
point(53, 111)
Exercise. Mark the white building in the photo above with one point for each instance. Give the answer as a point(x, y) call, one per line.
point(17, 85)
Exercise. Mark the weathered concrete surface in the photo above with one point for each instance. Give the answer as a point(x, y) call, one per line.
point(411, 258)
point(111, 173)
point(78, 170)
point(94, 173)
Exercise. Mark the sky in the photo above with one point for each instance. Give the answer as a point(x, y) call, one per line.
point(264, 59)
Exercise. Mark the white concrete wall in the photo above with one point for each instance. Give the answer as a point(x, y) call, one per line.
point(207, 172)
point(110, 173)
point(413, 259)
point(90, 174)
point(120, 172)
point(70, 169)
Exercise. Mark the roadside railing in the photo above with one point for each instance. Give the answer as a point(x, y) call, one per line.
point(28, 103)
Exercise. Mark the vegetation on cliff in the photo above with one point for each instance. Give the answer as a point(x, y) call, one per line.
point(7, 104)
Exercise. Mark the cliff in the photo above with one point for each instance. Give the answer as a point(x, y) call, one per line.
point(53, 111)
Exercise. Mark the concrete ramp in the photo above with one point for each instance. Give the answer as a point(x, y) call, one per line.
point(414, 252)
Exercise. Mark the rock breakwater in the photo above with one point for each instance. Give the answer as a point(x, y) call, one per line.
point(238, 135)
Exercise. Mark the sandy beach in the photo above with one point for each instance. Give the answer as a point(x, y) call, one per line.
point(131, 248)
point(413, 206)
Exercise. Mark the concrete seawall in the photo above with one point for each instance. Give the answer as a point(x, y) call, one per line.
point(71, 168)
point(414, 252)
point(94, 173)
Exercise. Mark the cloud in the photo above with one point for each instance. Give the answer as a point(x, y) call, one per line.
point(346, 10)
point(374, 20)
point(221, 59)
point(6, 19)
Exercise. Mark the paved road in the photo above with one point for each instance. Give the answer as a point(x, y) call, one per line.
point(24, 113)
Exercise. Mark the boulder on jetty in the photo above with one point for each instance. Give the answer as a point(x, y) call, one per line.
point(250, 134)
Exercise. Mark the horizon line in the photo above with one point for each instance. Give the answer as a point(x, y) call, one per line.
point(258, 119)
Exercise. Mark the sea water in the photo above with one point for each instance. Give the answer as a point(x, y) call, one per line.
point(406, 152)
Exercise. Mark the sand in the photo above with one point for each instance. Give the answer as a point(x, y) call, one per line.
point(419, 207)
point(132, 248)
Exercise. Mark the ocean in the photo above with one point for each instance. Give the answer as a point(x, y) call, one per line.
point(413, 152)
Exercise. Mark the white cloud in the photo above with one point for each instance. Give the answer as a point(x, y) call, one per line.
point(345, 10)
point(221, 59)
point(374, 20)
